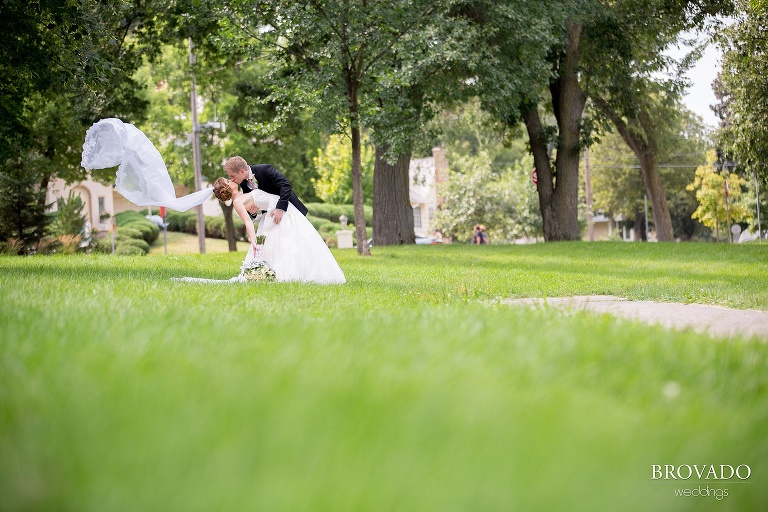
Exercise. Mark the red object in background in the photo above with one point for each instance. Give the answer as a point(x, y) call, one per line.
point(534, 177)
point(162, 212)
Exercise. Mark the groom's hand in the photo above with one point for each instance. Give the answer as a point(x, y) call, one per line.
point(252, 209)
point(277, 215)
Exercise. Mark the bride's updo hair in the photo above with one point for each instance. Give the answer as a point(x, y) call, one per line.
point(221, 190)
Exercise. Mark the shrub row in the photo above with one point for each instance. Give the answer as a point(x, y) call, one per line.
point(324, 217)
point(332, 212)
point(215, 227)
point(134, 235)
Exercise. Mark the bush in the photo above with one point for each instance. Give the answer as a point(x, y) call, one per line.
point(149, 229)
point(127, 217)
point(133, 242)
point(104, 245)
point(215, 227)
point(332, 212)
point(184, 222)
point(129, 250)
point(129, 232)
point(11, 246)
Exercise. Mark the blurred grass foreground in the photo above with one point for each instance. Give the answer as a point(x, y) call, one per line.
point(409, 388)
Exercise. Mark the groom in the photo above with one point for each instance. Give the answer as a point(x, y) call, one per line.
point(266, 178)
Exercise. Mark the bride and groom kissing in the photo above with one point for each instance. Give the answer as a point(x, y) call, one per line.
point(293, 249)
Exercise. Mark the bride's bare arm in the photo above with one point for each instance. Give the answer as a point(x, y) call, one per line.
point(240, 208)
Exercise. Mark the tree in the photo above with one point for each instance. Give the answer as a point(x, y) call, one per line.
point(22, 209)
point(69, 218)
point(617, 183)
point(743, 89)
point(63, 66)
point(504, 200)
point(719, 196)
point(332, 55)
point(622, 40)
point(334, 184)
point(489, 178)
point(230, 92)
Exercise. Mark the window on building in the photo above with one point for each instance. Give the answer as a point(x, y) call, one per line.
point(431, 213)
point(417, 217)
point(101, 206)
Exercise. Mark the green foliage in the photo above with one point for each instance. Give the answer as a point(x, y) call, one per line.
point(129, 232)
point(215, 227)
point(130, 249)
point(127, 216)
point(742, 88)
point(233, 96)
point(334, 166)
point(69, 218)
point(149, 230)
point(489, 179)
point(138, 243)
point(714, 211)
point(22, 201)
point(617, 183)
point(503, 200)
point(332, 212)
point(186, 222)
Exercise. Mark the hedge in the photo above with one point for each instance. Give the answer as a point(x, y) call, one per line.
point(149, 229)
point(332, 212)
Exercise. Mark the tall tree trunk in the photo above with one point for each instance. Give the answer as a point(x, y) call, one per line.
point(559, 190)
point(640, 234)
point(230, 226)
point(357, 173)
point(357, 195)
point(639, 134)
point(392, 212)
point(662, 220)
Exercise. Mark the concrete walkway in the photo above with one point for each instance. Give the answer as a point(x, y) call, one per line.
point(715, 321)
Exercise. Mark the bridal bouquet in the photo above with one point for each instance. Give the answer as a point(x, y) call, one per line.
point(257, 270)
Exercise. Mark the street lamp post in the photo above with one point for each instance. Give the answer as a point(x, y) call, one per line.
point(196, 160)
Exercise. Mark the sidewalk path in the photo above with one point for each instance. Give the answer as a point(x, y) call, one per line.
point(716, 321)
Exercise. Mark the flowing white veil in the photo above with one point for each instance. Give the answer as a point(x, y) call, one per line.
point(142, 176)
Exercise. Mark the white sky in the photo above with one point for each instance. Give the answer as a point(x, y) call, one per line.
point(700, 95)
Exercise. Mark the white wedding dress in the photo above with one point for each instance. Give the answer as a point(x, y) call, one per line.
point(293, 248)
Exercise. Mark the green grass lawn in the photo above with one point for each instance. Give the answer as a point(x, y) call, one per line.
point(183, 243)
point(409, 388)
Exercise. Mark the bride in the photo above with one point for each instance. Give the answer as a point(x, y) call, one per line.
point(292, 247)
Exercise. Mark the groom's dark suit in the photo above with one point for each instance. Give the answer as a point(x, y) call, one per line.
point(270, 180)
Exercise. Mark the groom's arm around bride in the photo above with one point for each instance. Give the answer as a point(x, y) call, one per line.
point(268, 179)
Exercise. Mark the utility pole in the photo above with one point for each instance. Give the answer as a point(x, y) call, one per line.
point(757, 205)
point(727, 210)
point(645, 203)
point(588, 182)
point(198, 167)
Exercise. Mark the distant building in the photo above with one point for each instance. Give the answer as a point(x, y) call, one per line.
point(427, 177)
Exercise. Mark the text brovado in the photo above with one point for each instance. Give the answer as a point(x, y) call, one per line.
point(701, 471)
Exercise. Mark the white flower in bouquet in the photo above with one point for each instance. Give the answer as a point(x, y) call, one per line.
point(257, 270)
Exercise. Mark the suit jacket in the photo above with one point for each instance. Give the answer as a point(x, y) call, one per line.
point(270, 180)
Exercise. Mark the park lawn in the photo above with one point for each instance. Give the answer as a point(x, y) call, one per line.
point(184, 243)
point(411, 387)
